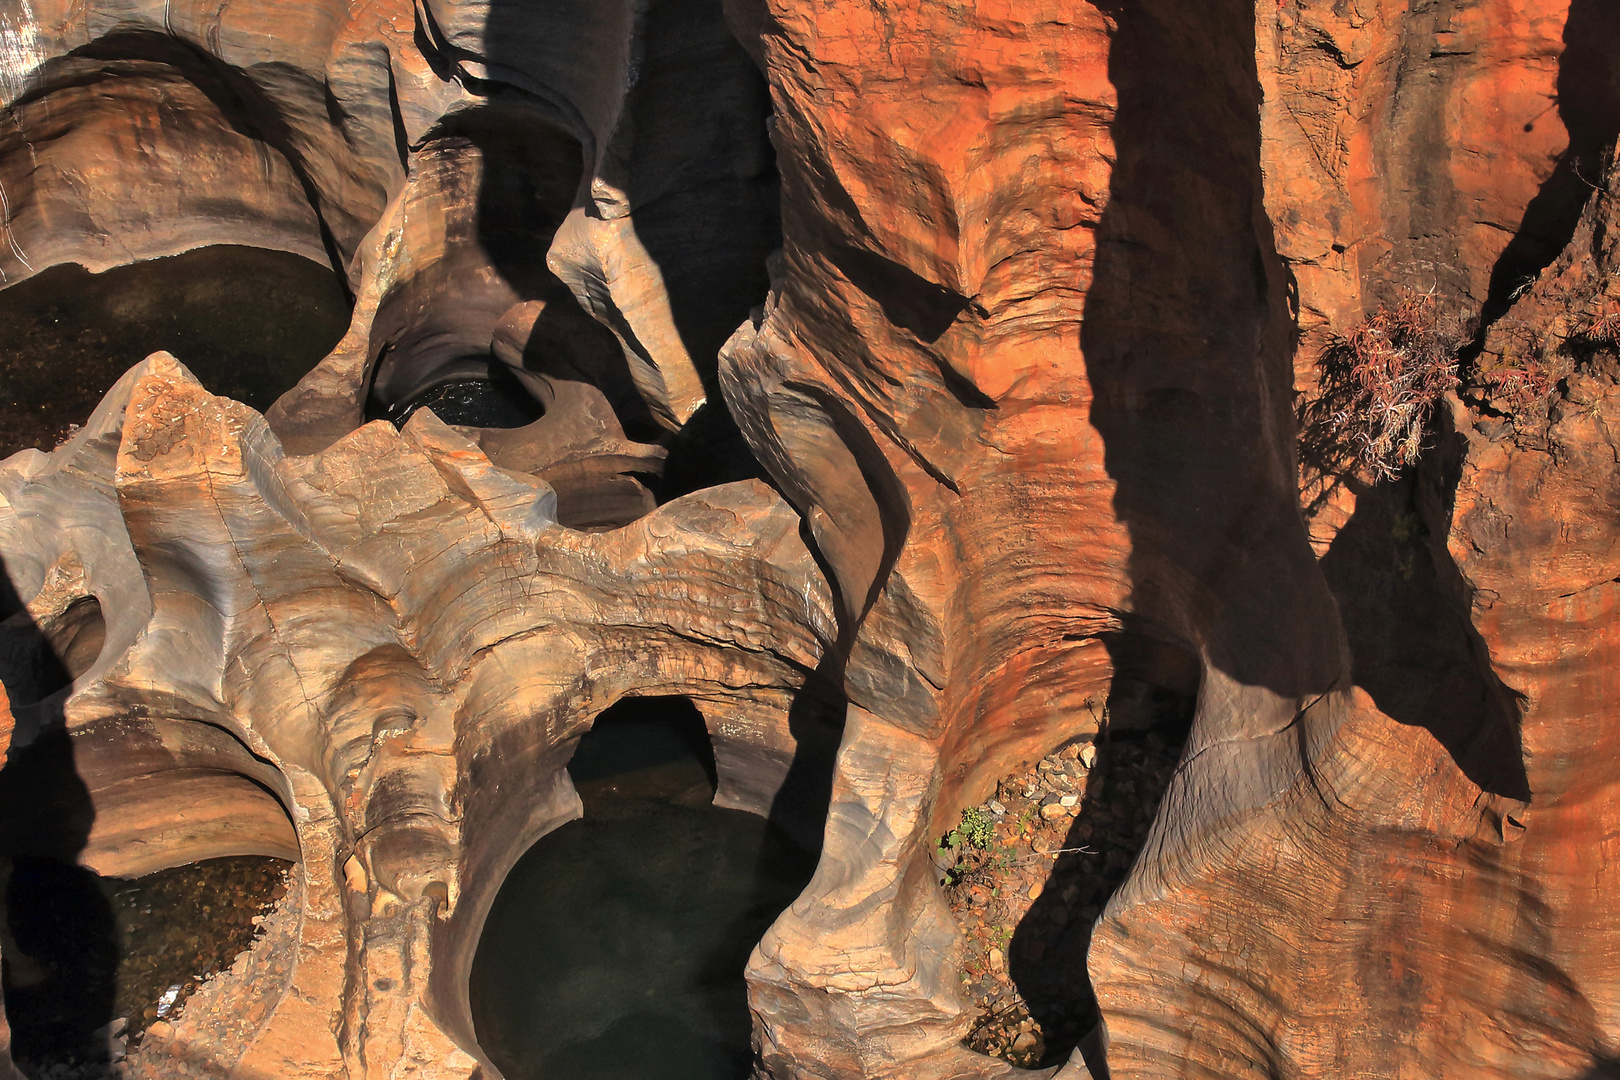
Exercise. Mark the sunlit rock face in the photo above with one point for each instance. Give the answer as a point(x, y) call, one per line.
point(905, 384)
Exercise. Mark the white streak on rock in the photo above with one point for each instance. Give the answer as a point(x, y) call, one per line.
point(20, 53)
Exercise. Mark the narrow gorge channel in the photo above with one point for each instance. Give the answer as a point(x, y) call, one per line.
point(766, 540)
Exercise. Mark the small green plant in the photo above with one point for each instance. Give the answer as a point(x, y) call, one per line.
point(972, 834)
point(974, 831)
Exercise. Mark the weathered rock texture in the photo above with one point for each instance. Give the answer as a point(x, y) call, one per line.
point(402, 645)
point(1052, 267)
point(1053, 279)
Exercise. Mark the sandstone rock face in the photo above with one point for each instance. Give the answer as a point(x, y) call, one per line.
point(342, 729)
point(1030, 295)
point(1356, 718)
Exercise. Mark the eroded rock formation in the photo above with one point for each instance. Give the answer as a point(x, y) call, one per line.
point(1030, 297)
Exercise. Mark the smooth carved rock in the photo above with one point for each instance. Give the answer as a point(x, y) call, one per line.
point(1051, 276)
point(1320, 761)
point(396, 638)
point(151, 129)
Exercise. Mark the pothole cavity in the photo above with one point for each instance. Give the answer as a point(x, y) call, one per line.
point(37, 662)
point(485, 394)
point(248, 322)
point(617, 944)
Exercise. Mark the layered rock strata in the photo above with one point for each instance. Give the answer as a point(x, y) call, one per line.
point(1052, 278)
point(370, 614)
point(1052, 268)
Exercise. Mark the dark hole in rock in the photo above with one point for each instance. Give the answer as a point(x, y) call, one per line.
point(616, 946)
point(77, 635)
point(90, 961)
point(36, 662)
point(248, 322)
point(1036, 863)
point(708, 451)
point(484, 393)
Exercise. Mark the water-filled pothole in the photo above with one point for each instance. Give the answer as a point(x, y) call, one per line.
point(92, 961)
point(617, 944)
point(248, 322)
point(488, 395)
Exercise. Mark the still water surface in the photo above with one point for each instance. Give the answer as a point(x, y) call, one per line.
point(249, 323)
point(615, 949)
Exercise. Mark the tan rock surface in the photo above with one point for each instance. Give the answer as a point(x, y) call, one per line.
point(1052, 278)
point(414, 760)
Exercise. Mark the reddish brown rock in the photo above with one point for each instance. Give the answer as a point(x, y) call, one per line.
point(1312, 726)
point(1054, 279)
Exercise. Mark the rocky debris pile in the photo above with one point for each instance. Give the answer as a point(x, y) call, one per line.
point(1027, 873)
point(180, 927)
point(228, 1009)
point(165, 934)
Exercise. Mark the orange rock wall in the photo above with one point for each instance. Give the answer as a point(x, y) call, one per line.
point(1057, 270)
point(1053, 278)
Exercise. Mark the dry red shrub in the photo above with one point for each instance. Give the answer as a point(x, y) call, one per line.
point(1380, 384)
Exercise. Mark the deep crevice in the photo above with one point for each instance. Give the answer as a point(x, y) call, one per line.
point(1068, 827)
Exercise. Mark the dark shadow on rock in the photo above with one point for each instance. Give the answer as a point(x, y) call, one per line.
point(58, 938)
point(441, 324)
point(704, 189)
point(32, 667)
point(1407, 613)
point(1603, 1068)
point(700, 175)
point(706, 452)
point(781, 872)
point(1151, 701)
point(640, 733)
point(816, 722)
point(566, 343)
point(1589, 106)
point(909, 300)
point(1187, 345)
